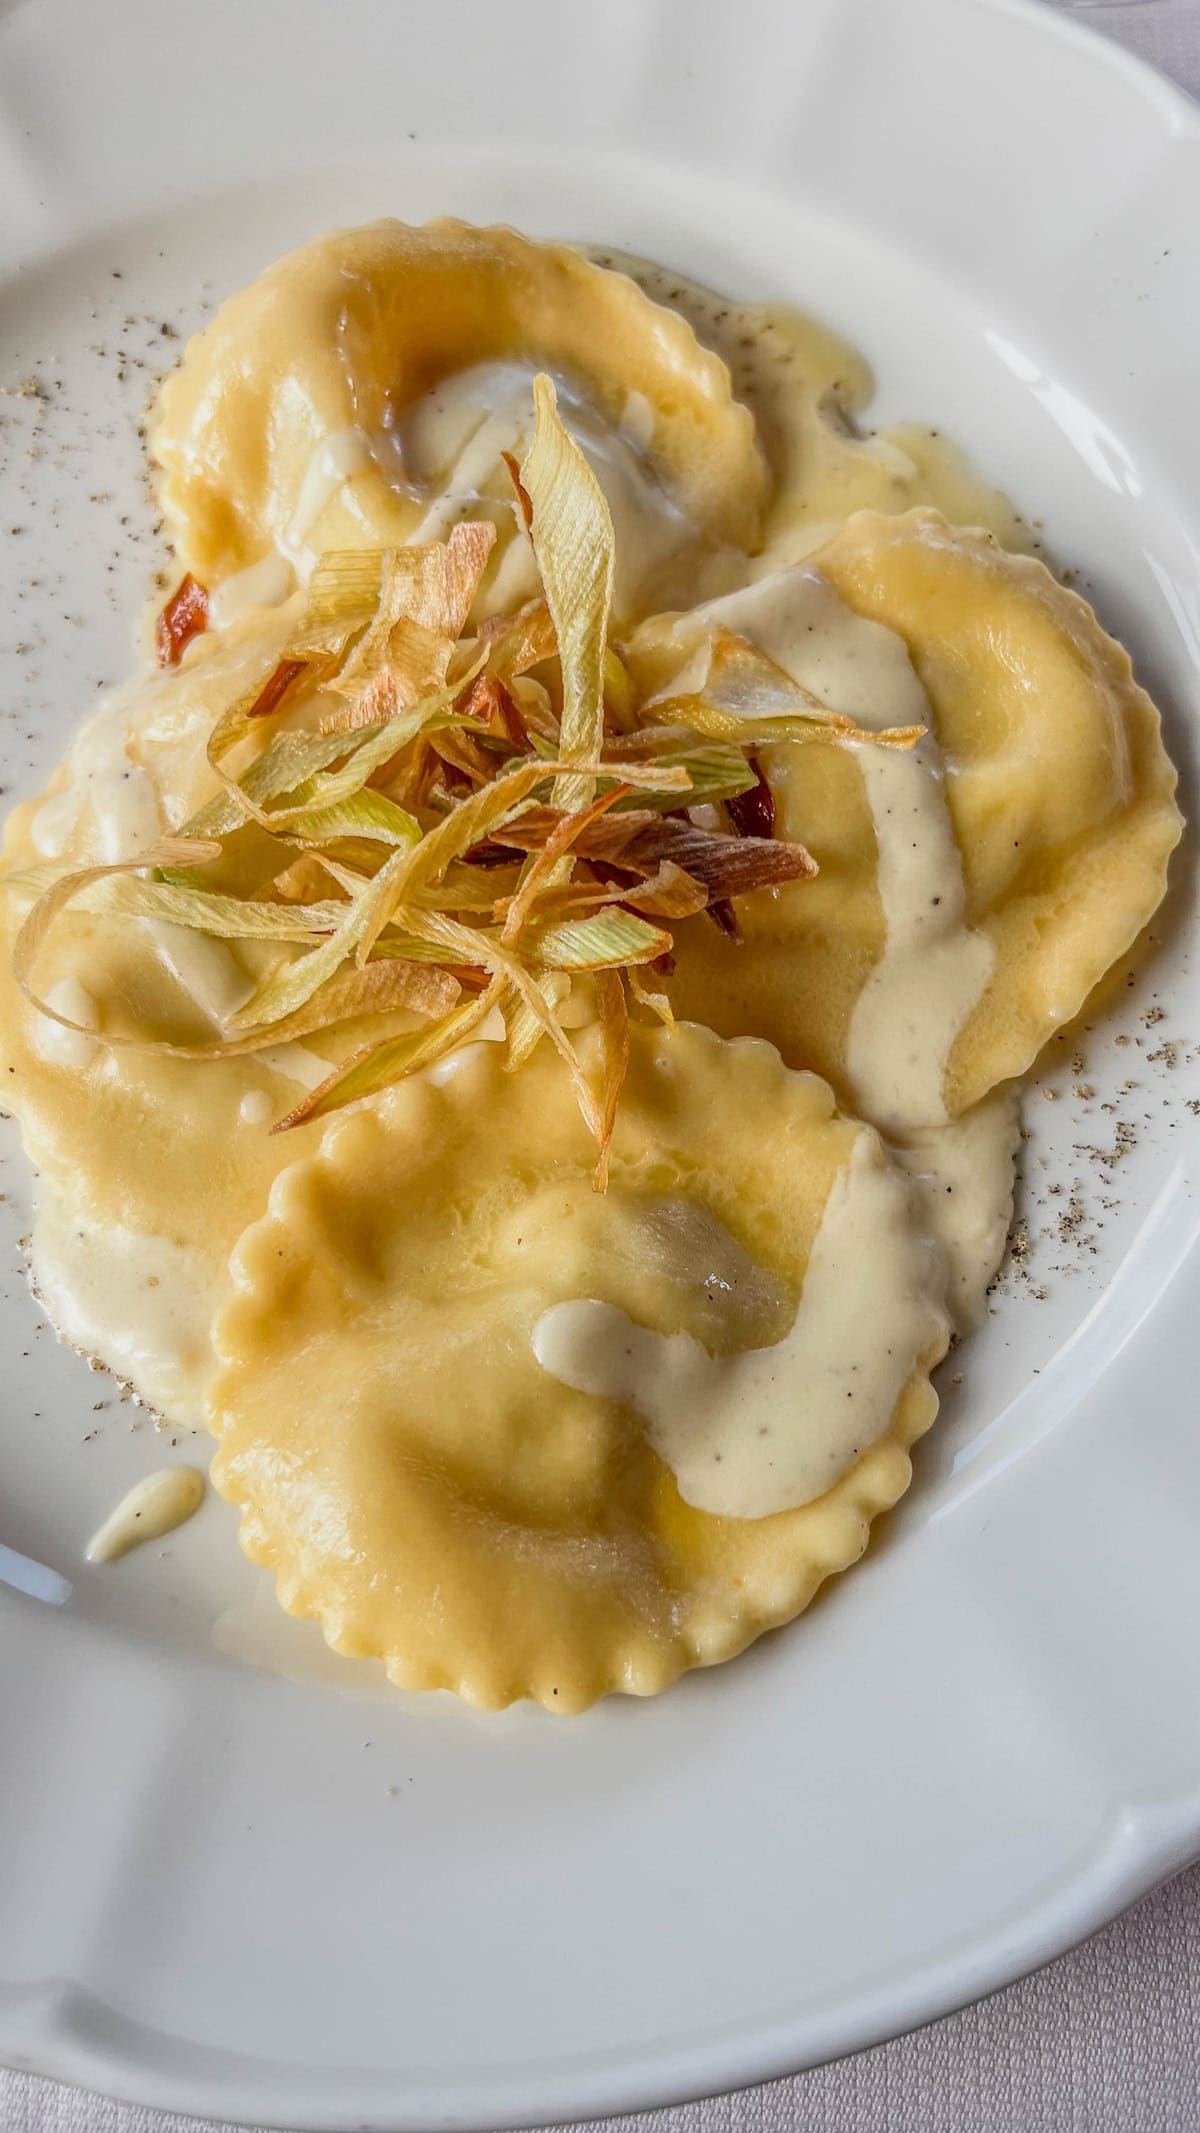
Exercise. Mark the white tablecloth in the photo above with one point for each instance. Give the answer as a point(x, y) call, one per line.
point(1107, 2040)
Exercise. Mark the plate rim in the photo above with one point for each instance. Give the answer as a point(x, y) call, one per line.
point(1051, 1933)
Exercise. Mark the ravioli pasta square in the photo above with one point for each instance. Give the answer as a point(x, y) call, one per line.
point(974, 889)
point(519, 1016)
point(453, 1480)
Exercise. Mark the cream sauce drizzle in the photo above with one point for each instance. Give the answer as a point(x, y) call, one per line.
point(445, 452)
point(67, 1047)
point(207, 970)
point(267, 583)
point(337, 459)
point(106, 786)
point(451, 440)
point(140, 1305)
point(153, 1507)
point(296, 1063)
point(963, 1174)
point(934, 967)
point(768, 1429)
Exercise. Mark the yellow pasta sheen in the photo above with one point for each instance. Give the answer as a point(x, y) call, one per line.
point(356, 326)
point(1060, 793)
point(404, 1467)
point(150, 1142)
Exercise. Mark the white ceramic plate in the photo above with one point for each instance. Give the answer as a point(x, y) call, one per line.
point(225, 1886)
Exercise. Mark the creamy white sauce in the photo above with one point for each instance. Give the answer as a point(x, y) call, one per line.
point(153, 1507)
point(454, 435)
point(105, 785)
point(444, 451)
point(762, 1431)
point(934, 967)
point(296, 1063)
point(516, 578)
point(576, 1008)
point(66, 1047)
point(55, 820)
point(963, 1174)
point(452, 438)
point(491, 1031)
point(207, 969)
point(337, 459)
point(637, 420)
point(255, 1108)
point(267, 583)
point(141, 1305)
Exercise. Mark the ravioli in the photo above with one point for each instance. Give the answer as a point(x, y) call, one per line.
point(1041, 807)
point(509, 1431)
point(413, 1478)
point(336, 344)
point(154, 1162)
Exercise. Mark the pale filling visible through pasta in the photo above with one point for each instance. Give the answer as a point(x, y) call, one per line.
point(760, 1431)
point(444, 453)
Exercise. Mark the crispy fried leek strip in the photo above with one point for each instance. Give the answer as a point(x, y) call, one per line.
point(380, 989)
point(719, 773)
point(287, 988)
point(423, 823)
point(537, 1000)
point(263, 699)
point(482, 816)
point(572, 534)
point(168, 852)
point(613, 1009)
point(620, 708)
point(670, 893)
point(429, 588)
point(224, 918)
point(656, 1003)
point(611, 940)
point(731, 691)
point(342, 595)
point(471, 821)
point(413, 662)
point(415, 603)
point(640, 842)
point(517, 642)
point(366, 751)
point(706, 718)
point(122, 890)
point(542, 866)
point(530, 1017)
point(377, 1066)
point(287, 761)
point(410, 869)
point(363, 814)
point(604, 944)
point(524, 1029)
